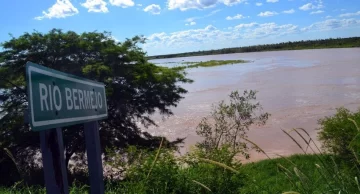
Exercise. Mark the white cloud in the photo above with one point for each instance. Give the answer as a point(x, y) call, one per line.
point(191, 19)
point(258, 4)
point(210, 27)
point(271, 29)
point(139, 5)
point(183, 37)
point(190, 24)
point(214, 38)
point(317, 12)
point(319, 4)
point(332, 24)
point(188, 20)
point(212, 13)
point(236, 17)
point(232, 36)
point(272, 1)
point(327, 17)
point(350, 14)
point(249, 25)
point(190, 4)
point(61, 9)
point(157, 36)
point(267, 13)
point(122, 3)
point(95, 6)
point(153, 9)
point(233, 2)
point(199, 4)
point(309, 6)
point(210, 35)
point(290, 11)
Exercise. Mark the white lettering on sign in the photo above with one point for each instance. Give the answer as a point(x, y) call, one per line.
point(92, 100)
point(87, 99)
point(57, 103)
point(43, 96)
point(76, 99)
point(75, 91)
point(69, 102)
point(99, 100)
point(81, 99)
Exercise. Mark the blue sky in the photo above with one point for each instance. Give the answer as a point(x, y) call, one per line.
point(173, 26)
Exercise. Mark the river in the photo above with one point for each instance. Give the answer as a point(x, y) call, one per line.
point(295, 87)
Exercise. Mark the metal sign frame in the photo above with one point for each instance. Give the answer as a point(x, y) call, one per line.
point(38, 125)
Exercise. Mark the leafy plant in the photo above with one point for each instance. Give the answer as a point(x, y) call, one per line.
point(339, 135)
point(229, 123)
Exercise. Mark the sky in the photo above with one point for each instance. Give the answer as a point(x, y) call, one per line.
point(173, 26)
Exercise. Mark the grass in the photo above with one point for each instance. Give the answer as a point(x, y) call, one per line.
point(210, 63)
point(267, 176)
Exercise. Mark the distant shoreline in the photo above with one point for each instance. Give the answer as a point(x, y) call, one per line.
point(351, 42)
point(210, 63)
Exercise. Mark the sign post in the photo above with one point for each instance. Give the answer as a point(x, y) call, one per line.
point(57, 99)
point(53, 161)
point(93, 151)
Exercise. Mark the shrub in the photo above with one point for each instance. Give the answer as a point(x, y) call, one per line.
point(220, 173)
point(229, 123)
point(162, 172)
point(339, 135)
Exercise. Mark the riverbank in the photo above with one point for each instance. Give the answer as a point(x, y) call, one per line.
point(296, 45)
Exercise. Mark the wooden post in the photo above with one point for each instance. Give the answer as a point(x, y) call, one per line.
point(55, 174)
point(93, 151)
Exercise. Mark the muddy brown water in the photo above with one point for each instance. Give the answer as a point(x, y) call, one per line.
point(296, 87)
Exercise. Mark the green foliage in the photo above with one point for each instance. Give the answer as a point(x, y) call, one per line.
point(306, 173)
point(229, 123)
point(171, 174)
point(334, 174)
point(209, 167)
point(296, 45)
point(264, 177)
point(339, 135)
point(135, 89)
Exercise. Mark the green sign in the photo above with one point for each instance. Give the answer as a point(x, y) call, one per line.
point(57, 99)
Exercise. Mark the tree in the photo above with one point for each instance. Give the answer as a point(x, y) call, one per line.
point(135, 88)
point(228, 124)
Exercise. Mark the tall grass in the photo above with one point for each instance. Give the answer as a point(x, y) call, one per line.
point(338, 178)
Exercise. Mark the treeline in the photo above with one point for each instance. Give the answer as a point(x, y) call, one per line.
point(296, 45)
